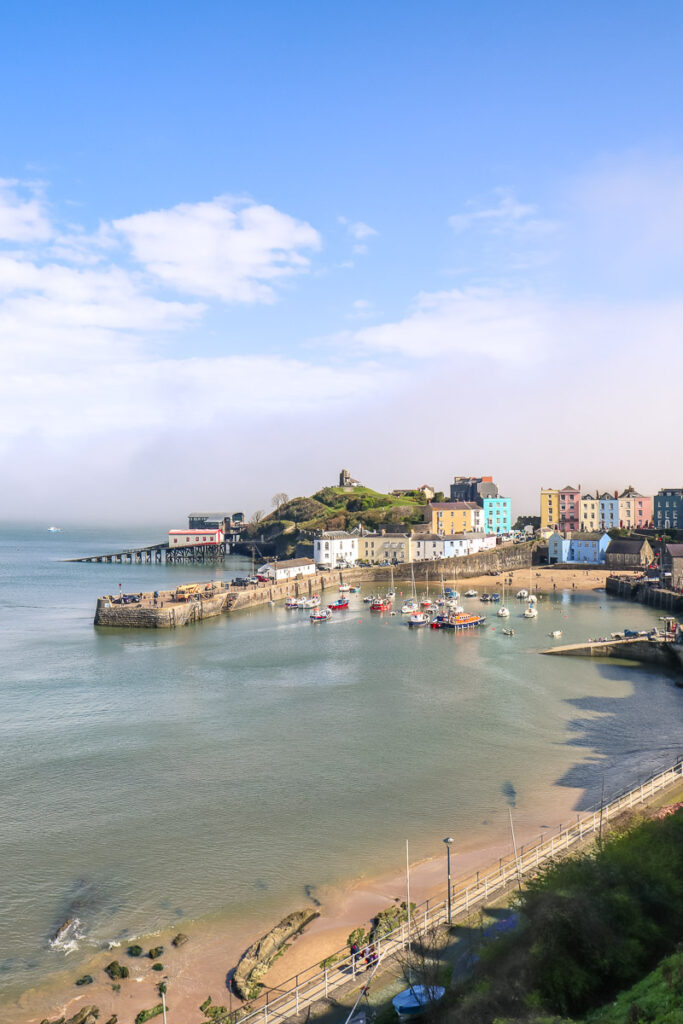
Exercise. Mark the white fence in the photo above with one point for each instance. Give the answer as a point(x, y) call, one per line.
point(320, 980)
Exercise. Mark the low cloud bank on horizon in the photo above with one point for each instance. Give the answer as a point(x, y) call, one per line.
point(132, 388)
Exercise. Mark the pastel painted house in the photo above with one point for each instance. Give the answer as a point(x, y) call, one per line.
point(578, 547)
point(497, 514)
point(635, 510)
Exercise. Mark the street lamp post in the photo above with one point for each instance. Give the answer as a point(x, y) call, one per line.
point(448, 841)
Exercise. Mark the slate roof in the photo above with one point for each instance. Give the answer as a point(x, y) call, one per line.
point(453, 505)
point(620, 546)
point(675, 550)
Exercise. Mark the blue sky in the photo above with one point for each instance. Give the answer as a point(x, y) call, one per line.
point(411, 239)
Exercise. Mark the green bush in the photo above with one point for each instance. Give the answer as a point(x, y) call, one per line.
point(157, 967)
point(134, 950)
point(590, 926)
point(148, 1014)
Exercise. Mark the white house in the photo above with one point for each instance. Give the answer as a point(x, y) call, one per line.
point(335, 547)
point(427, 546)
point(288, 569)
point(193, 538)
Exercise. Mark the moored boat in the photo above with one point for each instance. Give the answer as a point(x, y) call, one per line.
point(418, 619)
point(530, 611)
point(380, 604)
point(291, 603)
point(470, 593)
point(458, 620)
point(522, 594)
point(508, 632)
point(320, 615)
point(339, 604)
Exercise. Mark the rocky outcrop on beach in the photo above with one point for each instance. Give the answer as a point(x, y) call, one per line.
point(86, 1015)
point(257, 959)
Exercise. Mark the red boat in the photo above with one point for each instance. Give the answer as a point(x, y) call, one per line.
point(380, 605)
point(341, 602)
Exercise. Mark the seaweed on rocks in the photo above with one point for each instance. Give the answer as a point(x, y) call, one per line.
point(256, 960)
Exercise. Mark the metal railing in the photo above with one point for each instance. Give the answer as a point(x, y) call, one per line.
point(321, 979)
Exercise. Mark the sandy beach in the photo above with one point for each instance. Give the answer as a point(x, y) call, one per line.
point(545, 579)
point(201, 966)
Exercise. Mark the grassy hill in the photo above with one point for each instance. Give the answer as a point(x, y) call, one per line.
point(335, 508)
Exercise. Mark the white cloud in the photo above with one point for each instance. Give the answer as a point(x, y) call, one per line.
point(474, 321)
point(22, 212)
point(225, 248)
point(508, 214)
point(358, 229)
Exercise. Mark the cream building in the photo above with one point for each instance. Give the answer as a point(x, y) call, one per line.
point(384, 547)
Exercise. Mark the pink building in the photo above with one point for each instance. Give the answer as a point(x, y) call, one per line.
point(569, 498)
point(635, 510)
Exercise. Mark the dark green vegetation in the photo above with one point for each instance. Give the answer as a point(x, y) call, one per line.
point(115, 970)
point(211, 1011)
point(155, 952)
point(87, 979)
point(291, 526)
point(657, 999)
point(144, 1015)
point(385, 922)
point(157, 967)
point(134, 950)
point(590, 927)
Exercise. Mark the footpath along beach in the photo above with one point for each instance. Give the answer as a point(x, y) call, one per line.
point(199, 967)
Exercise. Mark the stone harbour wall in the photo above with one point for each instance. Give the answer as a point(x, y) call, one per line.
point(214, 598)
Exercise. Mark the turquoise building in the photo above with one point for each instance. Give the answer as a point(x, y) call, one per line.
point(497, 515)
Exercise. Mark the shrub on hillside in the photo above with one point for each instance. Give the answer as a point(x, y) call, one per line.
point(591, 926)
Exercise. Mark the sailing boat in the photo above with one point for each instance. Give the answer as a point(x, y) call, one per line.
point(425, 602)
point(503, 612)
point(391, 594)
point(411, 605)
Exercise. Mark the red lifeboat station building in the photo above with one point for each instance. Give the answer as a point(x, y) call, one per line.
point(193, 538)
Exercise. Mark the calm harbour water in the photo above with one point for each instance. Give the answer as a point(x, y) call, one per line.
point(238, 765)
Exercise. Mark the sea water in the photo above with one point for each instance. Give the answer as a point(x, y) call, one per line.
point(238, 765)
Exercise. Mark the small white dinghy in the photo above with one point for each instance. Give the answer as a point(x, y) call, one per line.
point(417, 999)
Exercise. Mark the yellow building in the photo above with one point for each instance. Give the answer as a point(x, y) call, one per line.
point(589, 512)
point(448, 517)
point(394, 548)
point(550, 508)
